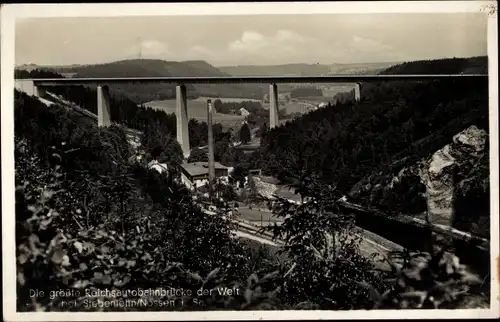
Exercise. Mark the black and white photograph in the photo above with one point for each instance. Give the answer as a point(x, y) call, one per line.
point(218, 161)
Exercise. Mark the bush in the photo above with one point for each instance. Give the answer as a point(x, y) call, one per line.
point(429, 281)
point(324, 254)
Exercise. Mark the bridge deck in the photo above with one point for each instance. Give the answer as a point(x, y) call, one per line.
point(245, 79)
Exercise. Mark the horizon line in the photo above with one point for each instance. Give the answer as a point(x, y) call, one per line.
point(245, 65)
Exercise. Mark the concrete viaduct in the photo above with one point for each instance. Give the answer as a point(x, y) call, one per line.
point(37, 87)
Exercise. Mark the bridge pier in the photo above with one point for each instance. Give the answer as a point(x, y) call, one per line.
point(182, 120)
point(357, 92)
point(39, 91)
point(103, 106)
point(273, 106)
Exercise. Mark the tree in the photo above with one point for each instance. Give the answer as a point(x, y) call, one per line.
point(324, 258)
point(218, 105)
point(161, 146)
point(239, 173)
point(198, 155)
point(234, 157)
point(220, 150)
point(263, 130)
point(245, 134)
point(224, 191)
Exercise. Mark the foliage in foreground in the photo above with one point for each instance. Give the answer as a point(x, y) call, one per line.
point(325, 272)
point(421, 280)
point(167, 246)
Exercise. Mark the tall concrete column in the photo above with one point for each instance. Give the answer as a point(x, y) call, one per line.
point(211, 160)
point(273, 106)
point(103, 106)
point(357, 92)
point(182, 120)
point(39, 91)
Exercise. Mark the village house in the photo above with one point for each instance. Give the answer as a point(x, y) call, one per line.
point(195, 175)
point(244, 112)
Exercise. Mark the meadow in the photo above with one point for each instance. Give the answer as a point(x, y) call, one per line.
point(197, 108)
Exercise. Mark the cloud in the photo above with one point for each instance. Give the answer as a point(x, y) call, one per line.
point(149, 48)
point(199, 50)
point(153, 48)
point(360, 44)
point(284, 44)
point(250, 40)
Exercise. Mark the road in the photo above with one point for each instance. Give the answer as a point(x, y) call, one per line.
point(256, 216)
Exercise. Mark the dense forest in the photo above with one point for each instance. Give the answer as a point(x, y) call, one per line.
point(393, 126)
point(90, 215)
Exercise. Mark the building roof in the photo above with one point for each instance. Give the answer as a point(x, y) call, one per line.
point(155, 165)
point(200, 168)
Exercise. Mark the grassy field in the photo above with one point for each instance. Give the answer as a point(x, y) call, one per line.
point(314, 99)
point(294, 107)
point(197, 108)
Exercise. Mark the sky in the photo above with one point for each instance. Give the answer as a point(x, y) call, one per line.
point(252, 40)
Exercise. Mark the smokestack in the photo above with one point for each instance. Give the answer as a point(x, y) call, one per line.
point(211, 162)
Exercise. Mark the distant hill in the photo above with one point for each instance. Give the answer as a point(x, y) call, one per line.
point(473, 65)
point(304, 69)
point(276, 70)
point(157, 68)
point(361, 68)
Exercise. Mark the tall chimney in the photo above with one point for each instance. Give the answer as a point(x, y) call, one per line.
point(211, 163)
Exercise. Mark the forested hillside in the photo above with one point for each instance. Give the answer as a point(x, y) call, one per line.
point(393, 126)
point(473, 65)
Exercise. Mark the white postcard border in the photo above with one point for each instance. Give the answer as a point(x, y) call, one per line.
point(10, 13)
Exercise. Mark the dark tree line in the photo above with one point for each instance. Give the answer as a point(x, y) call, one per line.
point(234, 107)
point(306, 91)
point(473, 65)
